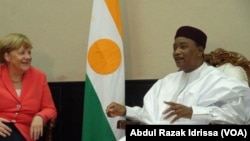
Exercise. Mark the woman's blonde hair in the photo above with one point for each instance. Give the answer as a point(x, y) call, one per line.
point(12, 42)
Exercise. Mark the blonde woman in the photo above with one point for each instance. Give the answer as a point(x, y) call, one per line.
point(26, 103)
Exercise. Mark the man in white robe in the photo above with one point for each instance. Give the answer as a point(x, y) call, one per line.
point(196, 94)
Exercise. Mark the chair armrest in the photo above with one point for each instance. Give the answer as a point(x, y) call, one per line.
point(49, 129)
point(121, 124)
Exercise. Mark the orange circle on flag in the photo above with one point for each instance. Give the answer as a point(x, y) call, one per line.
point(104, 56)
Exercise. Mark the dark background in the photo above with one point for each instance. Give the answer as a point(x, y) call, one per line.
point(69, 97)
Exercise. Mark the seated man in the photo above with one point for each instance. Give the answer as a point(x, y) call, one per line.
point(197, 94)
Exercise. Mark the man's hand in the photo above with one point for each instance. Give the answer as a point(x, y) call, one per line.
point(115, 109)
point(177, 110)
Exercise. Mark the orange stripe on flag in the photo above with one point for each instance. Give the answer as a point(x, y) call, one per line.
point(115, 12)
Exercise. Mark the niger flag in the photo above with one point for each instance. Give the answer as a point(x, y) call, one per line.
point(105, 80)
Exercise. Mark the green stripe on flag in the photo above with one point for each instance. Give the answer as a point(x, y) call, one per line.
point(95, 124)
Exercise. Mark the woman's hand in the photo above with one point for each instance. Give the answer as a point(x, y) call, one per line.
point(36, 128)
point(4, 129)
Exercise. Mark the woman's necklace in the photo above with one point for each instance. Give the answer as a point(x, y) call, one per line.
point(16, 81)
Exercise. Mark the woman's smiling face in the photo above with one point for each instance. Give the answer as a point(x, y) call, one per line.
point(19, 60)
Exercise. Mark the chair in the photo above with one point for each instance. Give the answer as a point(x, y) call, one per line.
point(49, 129)
point(222, 59)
